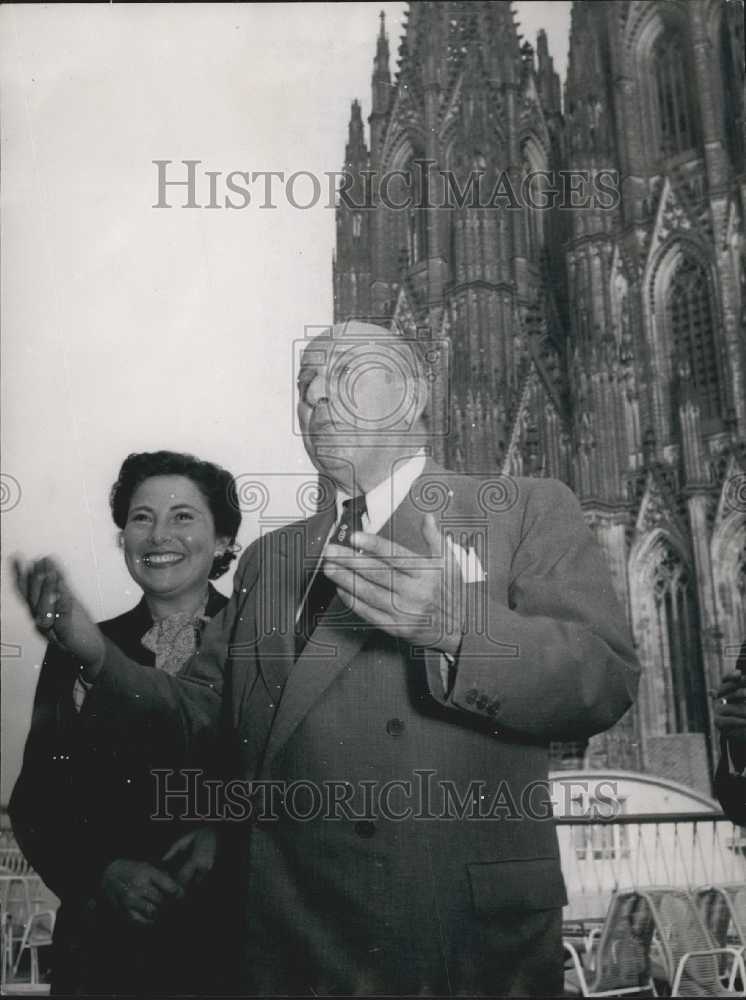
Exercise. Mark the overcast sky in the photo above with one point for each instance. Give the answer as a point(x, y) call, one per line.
point(127, 327)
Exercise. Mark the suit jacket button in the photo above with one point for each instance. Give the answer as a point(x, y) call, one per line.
point(395, 727)
point(365, 828)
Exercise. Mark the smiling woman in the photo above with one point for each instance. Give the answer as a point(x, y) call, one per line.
point(178, 521)
point(131, 892)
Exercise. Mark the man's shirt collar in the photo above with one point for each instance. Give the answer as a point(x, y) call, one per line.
point(385, 498)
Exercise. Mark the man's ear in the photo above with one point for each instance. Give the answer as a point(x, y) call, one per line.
point(120, 539)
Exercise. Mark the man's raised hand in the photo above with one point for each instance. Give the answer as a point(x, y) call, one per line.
point(412, 596)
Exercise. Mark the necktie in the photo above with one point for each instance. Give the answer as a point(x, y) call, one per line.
point(322, 590)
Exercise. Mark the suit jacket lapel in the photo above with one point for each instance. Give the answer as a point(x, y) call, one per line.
point(341, 634)
point(291, 555)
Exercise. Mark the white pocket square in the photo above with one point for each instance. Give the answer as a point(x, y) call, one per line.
point(468, 560)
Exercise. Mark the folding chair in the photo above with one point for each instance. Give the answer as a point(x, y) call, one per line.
point(620, 963)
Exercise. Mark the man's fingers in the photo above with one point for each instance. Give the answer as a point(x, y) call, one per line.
point(734, 677)
point(351, 575)
point(384, 549)
point(374, 593)
point(384, 589)
point(731, 711)
point(387, 572)
point(730, 724)
point(431, 534)
point(732, 693)
point(734, 697)
point(371, 571)
point(373, 615)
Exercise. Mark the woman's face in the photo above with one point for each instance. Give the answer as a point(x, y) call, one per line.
point(169, 539)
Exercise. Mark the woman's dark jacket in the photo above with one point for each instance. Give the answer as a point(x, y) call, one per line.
point(80, 804)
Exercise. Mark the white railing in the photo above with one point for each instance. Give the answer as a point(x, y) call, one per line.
point(682, 850)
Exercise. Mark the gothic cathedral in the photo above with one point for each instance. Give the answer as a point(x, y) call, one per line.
point(603, 344)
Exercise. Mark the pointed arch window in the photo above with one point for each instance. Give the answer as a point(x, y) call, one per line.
point(532, 219)
point(534, 197)
point(690, 313)
point(678, 646)
point(673, 99)
point(417, 212)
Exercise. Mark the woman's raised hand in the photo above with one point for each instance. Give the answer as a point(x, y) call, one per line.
point(58, 614)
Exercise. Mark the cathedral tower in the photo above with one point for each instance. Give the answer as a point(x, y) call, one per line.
point(602, 344)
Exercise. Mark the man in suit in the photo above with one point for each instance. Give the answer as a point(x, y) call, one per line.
point(391, 693)
point(730, 718)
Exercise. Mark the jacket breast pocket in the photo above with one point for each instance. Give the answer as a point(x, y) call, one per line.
point(517, 884)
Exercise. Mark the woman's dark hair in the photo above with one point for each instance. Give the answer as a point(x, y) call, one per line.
point(214, 483)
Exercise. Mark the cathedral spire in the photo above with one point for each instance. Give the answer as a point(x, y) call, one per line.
point(587, 104)
point(547, 78)
point(356, 153)
point(381, 80)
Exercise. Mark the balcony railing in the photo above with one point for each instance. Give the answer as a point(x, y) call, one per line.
point(683, 850)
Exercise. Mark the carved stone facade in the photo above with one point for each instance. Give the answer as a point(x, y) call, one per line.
point(602, 345)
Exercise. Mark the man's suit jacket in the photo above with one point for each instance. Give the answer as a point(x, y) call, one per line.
point(461, 894)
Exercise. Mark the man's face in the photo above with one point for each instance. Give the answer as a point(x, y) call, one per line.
point(356, 396)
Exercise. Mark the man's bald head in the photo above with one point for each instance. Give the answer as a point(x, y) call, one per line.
point(354, 331)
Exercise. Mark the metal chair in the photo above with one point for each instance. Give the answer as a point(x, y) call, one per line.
point(723, 911)
point(37, 933)
point(6, 949)
point(620, 963)
point(13, 862)
point(691, 963)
